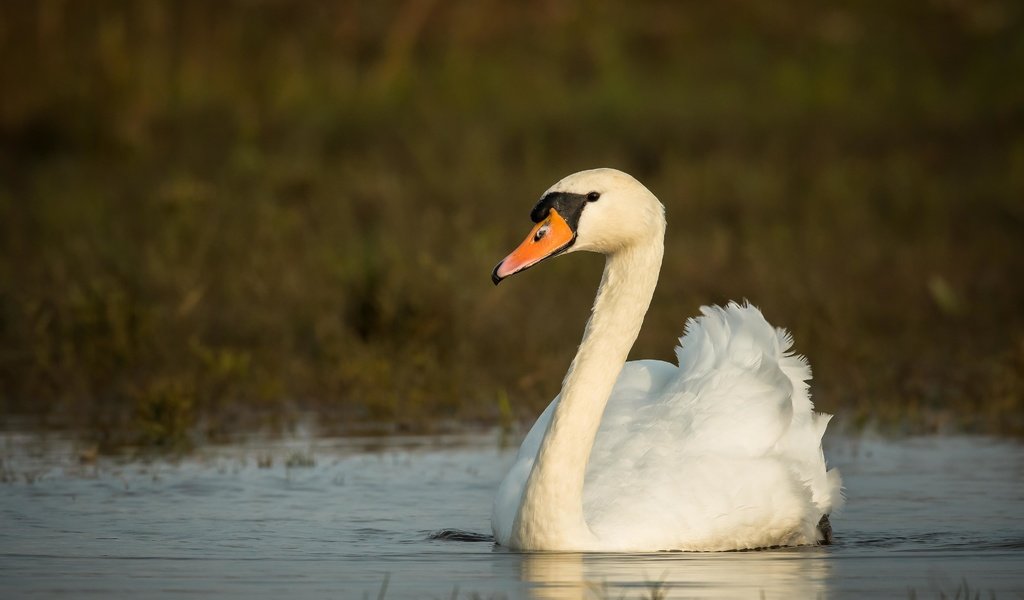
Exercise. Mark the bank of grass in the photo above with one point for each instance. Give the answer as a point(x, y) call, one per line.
point(214, 216)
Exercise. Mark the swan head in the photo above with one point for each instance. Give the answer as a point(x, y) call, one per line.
point(600, 210)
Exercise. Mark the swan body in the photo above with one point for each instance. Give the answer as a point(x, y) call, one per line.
point(722, 452)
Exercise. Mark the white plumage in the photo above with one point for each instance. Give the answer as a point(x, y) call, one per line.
point(722, 452)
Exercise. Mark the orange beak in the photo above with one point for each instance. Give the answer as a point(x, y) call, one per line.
point(548, 238)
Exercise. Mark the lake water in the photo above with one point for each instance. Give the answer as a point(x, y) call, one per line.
point(351, 518)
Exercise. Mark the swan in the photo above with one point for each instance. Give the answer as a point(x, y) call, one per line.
point(722, 452)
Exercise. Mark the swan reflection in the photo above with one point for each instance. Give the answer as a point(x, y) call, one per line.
point(787, 573)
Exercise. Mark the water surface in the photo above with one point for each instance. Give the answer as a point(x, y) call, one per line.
point(353, 517)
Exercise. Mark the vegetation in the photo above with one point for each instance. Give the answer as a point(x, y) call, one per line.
point(215, 216)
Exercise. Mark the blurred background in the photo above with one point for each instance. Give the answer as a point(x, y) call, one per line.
point(220, 217)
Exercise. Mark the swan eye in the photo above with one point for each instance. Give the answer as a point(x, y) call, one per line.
point(593, 196)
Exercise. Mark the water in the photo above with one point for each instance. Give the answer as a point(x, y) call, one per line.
point(929, 515)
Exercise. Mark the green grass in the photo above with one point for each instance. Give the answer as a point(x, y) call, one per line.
point(217, 216)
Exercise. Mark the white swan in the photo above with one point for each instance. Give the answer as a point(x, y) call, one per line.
point(720, 453)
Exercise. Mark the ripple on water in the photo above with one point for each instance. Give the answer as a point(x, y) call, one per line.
point(922, 514)
point(458, 535)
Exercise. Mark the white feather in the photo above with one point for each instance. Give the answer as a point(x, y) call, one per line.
point(722, 452)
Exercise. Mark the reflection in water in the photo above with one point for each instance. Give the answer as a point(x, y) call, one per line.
point(554, 575)
point(929, 515)
point(791, 573)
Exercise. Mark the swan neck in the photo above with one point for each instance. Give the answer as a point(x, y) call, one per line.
point(551, 512)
